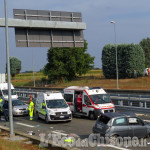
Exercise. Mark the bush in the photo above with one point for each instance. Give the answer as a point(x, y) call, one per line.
point(130, 57)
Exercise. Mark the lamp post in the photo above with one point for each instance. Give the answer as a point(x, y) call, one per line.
point(8, 73)
point(113, 22)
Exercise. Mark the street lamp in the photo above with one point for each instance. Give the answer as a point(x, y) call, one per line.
point(8, 74)
point(113, 22)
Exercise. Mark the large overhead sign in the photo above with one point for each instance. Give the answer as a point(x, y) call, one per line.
point(37, 28)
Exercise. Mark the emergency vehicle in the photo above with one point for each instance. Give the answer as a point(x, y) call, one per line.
point(95, 101)
point(51, 106)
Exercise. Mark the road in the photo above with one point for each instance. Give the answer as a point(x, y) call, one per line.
point(81, 127)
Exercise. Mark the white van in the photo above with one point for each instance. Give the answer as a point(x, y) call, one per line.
point(94, 101)
point(4, 91)
point(51, 106)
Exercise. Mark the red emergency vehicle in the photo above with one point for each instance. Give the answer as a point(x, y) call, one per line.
point(94, 101)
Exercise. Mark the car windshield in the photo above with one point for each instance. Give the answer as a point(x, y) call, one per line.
point(17, 103)
point(59, 103)
point(13, 92)
point(100, 98)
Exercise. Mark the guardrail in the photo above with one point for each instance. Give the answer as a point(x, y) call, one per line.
point(123, 102)
point(134, 103)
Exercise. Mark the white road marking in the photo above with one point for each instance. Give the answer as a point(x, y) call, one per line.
point(59, 133)
point(25, 125)
point(108, 145)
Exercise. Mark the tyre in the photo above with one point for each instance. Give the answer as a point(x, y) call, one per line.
point(113, 140)
point(38, 116)
point(46, 119)
point(6, 117)
point(91, 116)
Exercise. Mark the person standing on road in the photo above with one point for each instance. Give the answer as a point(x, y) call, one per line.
point(6, 110)
point(1, 100)
point(30, 97)
point(31, 108)
point(79, 102)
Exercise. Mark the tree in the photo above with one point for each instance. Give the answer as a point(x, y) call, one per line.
point(145, 44)
point(130, 57)
point(67, 63)
point(15, 66)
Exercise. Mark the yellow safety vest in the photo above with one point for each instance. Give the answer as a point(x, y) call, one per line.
point(31, 106)
point(1, 100)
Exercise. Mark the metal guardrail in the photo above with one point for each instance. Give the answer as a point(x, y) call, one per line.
point(123, 102)
point(134, 103)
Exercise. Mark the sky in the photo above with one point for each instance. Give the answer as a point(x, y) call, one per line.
point(132, 24)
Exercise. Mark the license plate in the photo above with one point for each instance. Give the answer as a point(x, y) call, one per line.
point(62, 116)
point(23, 111)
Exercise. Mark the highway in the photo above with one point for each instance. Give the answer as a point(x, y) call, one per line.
point(81, 127)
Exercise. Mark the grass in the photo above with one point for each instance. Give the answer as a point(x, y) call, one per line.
point(13, 145)
point(6, 144)
point(93, 78)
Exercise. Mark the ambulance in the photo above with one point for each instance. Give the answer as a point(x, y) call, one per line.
point(94, 101)
point(51, 106)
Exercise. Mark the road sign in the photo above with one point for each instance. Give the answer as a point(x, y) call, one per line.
point(40, 28)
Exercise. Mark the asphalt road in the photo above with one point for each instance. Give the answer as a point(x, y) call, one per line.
point(78, 127)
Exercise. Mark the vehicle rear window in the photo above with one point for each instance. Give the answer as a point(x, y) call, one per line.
point(104, 119)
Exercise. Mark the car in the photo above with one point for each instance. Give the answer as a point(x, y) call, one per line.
point(121, 124)
point(18, 107)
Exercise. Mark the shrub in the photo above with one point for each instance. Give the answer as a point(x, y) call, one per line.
point(130, 57)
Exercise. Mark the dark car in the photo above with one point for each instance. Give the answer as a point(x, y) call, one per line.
point(121, 124)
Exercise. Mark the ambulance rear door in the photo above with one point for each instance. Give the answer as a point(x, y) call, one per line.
point(69, 97)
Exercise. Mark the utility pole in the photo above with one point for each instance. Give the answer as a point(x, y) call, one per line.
point(8, 74)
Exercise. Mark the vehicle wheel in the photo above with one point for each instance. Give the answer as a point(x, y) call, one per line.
point(113, 140)
point(46, 119)
point(38, 116)
point(92, 116)
point(147, 136)
point(6, 118)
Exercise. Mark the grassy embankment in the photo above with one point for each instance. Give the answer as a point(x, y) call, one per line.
point(6, 144)
point(93, 78)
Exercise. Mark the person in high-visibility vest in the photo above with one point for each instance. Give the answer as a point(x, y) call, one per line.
point(1, 100)
point(31, 109)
